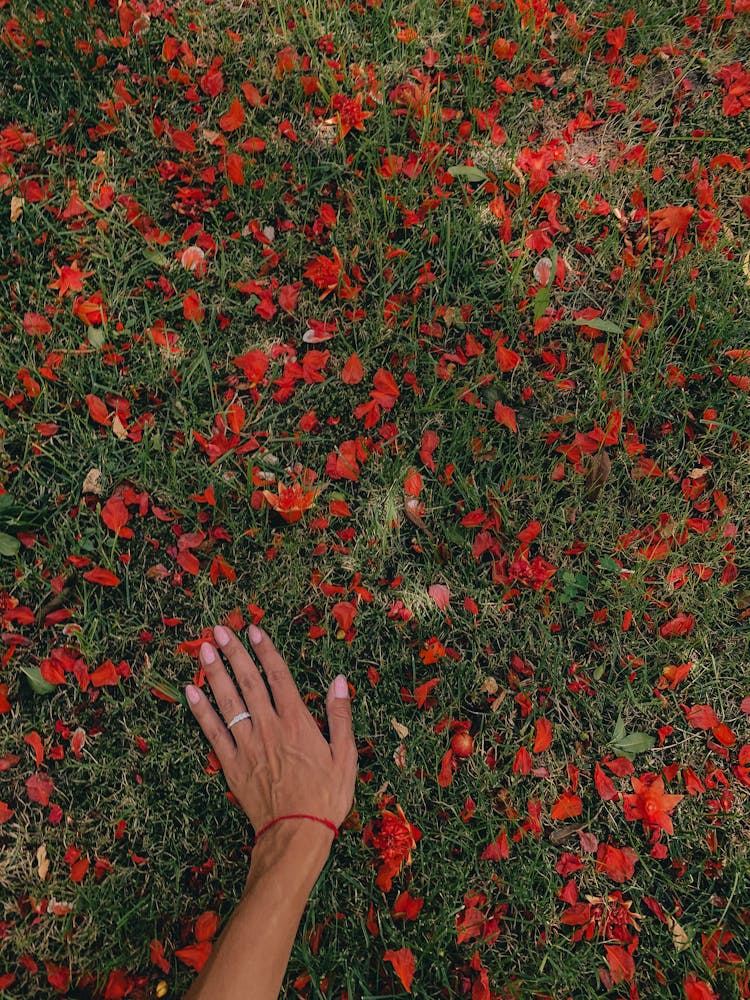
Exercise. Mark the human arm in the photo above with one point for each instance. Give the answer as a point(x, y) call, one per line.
point(275, 763)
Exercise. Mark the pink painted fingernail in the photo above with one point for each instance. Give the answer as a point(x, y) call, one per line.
point(207, 653)
point(192, 694)
point(340, 687)
point(255, 633)
point(221, 635)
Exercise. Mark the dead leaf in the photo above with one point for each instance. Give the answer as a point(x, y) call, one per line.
point(42, 862)
point(489, 685)
point(118, 429)
point(401, 730)
point(598, 474)
point(100, 159)
point(698, 473)
point(93, 482)
point(559, 835)
point(679, 937)
point(382, 790)
point(499, 700)
point(411, 505)
point(16, 208)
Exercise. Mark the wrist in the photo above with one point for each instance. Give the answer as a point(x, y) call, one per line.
point(301, 844)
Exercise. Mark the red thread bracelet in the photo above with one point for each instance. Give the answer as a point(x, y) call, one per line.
point(327, 822)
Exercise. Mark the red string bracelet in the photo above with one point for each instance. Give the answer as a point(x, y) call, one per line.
point(327, 822)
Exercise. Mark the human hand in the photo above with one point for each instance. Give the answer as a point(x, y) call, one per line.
point(278, 761)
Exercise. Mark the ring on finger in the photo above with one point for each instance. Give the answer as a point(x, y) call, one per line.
point(238, 718)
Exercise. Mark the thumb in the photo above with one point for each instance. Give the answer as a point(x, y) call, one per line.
point(339, 710)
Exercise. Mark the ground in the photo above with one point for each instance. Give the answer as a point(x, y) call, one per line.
point(418, 332)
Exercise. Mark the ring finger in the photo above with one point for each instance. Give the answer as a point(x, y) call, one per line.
point(229, 701)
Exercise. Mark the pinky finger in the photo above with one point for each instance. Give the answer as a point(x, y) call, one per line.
point(214, 729)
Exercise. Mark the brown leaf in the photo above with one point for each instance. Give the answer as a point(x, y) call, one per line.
point(411, 505)
point(559, 835)
point(42, 862)
point(118, 428)
point(16, 208)
point(93, 482)
point(401, 730)
point(598, 474)
point(679, 937)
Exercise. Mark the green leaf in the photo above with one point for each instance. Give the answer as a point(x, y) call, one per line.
point(156, 257)
point(95, 336)
point(471, 174)
point(541, 301)
point(619, 730)
point(8, 545)
point(633, 743)
point(37, 682)
point(600, 324)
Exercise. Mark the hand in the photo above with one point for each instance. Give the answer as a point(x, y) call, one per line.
point(277, 762)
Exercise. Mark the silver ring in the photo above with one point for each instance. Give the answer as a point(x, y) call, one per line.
point(237, 718)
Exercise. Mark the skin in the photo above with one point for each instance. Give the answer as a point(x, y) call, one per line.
point(275, 763)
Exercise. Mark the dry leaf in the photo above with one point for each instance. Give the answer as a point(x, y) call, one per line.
point(669, 528)
point(402, 731)
point(563, 833)
point(698, 473)
point(411, 505)
point(118, 428)
point(489, 685)
point(499, 700)
point(42, 862)
point(100, 159)
point(93, 482)
point(16, 208)
point(679, 937)
point(598, 474)
point(382, 790)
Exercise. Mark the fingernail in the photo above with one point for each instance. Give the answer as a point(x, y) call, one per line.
point(340, 687)
point(221, 635)
point(255, 633)
point(207, 653)
point(192, 694)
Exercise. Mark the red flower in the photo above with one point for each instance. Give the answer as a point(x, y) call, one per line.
point(90, 311)
point(394, 840)
point(291, 501)
point(349, 114)
point(328, 274)
point(650, 804)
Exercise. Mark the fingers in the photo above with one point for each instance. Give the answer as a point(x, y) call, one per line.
point(339, 709)
point(254, 690)
point(215, 731)
point(227, 697)
point(286, 696)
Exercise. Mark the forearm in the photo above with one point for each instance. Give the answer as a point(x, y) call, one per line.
point(249, 960)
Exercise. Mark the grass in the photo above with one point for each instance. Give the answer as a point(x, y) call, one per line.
point(104, 104)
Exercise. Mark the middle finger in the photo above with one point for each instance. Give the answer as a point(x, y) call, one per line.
point(229, 700)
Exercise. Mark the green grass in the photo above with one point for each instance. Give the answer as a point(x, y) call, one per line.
point(557, 650)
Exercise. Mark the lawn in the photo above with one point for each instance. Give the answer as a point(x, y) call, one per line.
point(419, 332)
